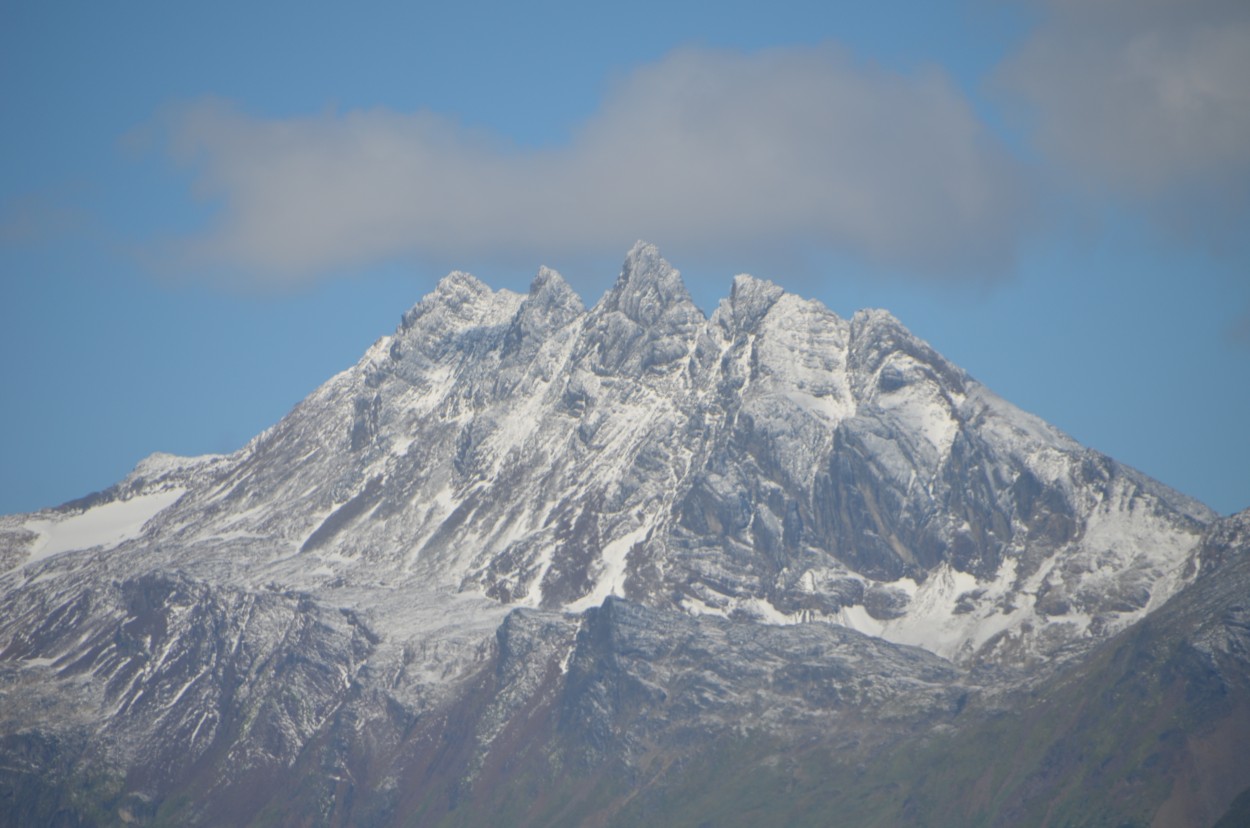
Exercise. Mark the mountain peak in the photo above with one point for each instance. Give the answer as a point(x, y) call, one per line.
point(750, 299)
point(455, 291)
point(647, 287)
point(459, 283)
point(877, 319)
point(549, 287)
point(877, 335)
point(550, 304)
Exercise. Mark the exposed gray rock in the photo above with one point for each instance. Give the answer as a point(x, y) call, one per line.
point(518, 524)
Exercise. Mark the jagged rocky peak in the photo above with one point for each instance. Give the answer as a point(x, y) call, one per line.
point(530, 346)
point(550, 304)
point(649, 288)
point(455, 295)
point(647, 322)
point(882, 347)
point(876, 334)
point(439, 324)
point(454, 290)
point(750, 299)
point(549, 290)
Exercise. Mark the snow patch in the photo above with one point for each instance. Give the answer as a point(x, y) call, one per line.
point(931, 620)
point(105, 526)
point(611, 579)
point(921, 409)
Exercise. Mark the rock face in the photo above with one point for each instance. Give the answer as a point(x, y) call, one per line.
point(520, 534)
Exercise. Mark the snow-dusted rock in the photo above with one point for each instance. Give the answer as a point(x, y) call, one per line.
point(772, 465)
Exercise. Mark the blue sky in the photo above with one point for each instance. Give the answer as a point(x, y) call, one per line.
point(207, 211)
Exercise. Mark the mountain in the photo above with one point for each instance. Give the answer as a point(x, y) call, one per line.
point(532, 562)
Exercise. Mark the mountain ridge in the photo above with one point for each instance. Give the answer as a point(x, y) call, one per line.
point(461, 539)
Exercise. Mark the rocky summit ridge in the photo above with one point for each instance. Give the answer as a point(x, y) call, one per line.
point(596, 539)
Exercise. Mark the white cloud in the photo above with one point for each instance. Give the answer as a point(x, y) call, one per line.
point(704, 149)
point(1148, 100)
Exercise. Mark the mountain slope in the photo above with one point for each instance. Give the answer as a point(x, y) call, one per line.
point(335, 606)
point(1150, 729)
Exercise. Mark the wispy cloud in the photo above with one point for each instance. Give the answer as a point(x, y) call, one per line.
point(705, 149)
point(1145, 100)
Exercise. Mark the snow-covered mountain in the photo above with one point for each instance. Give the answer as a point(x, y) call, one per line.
point(460, 522)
